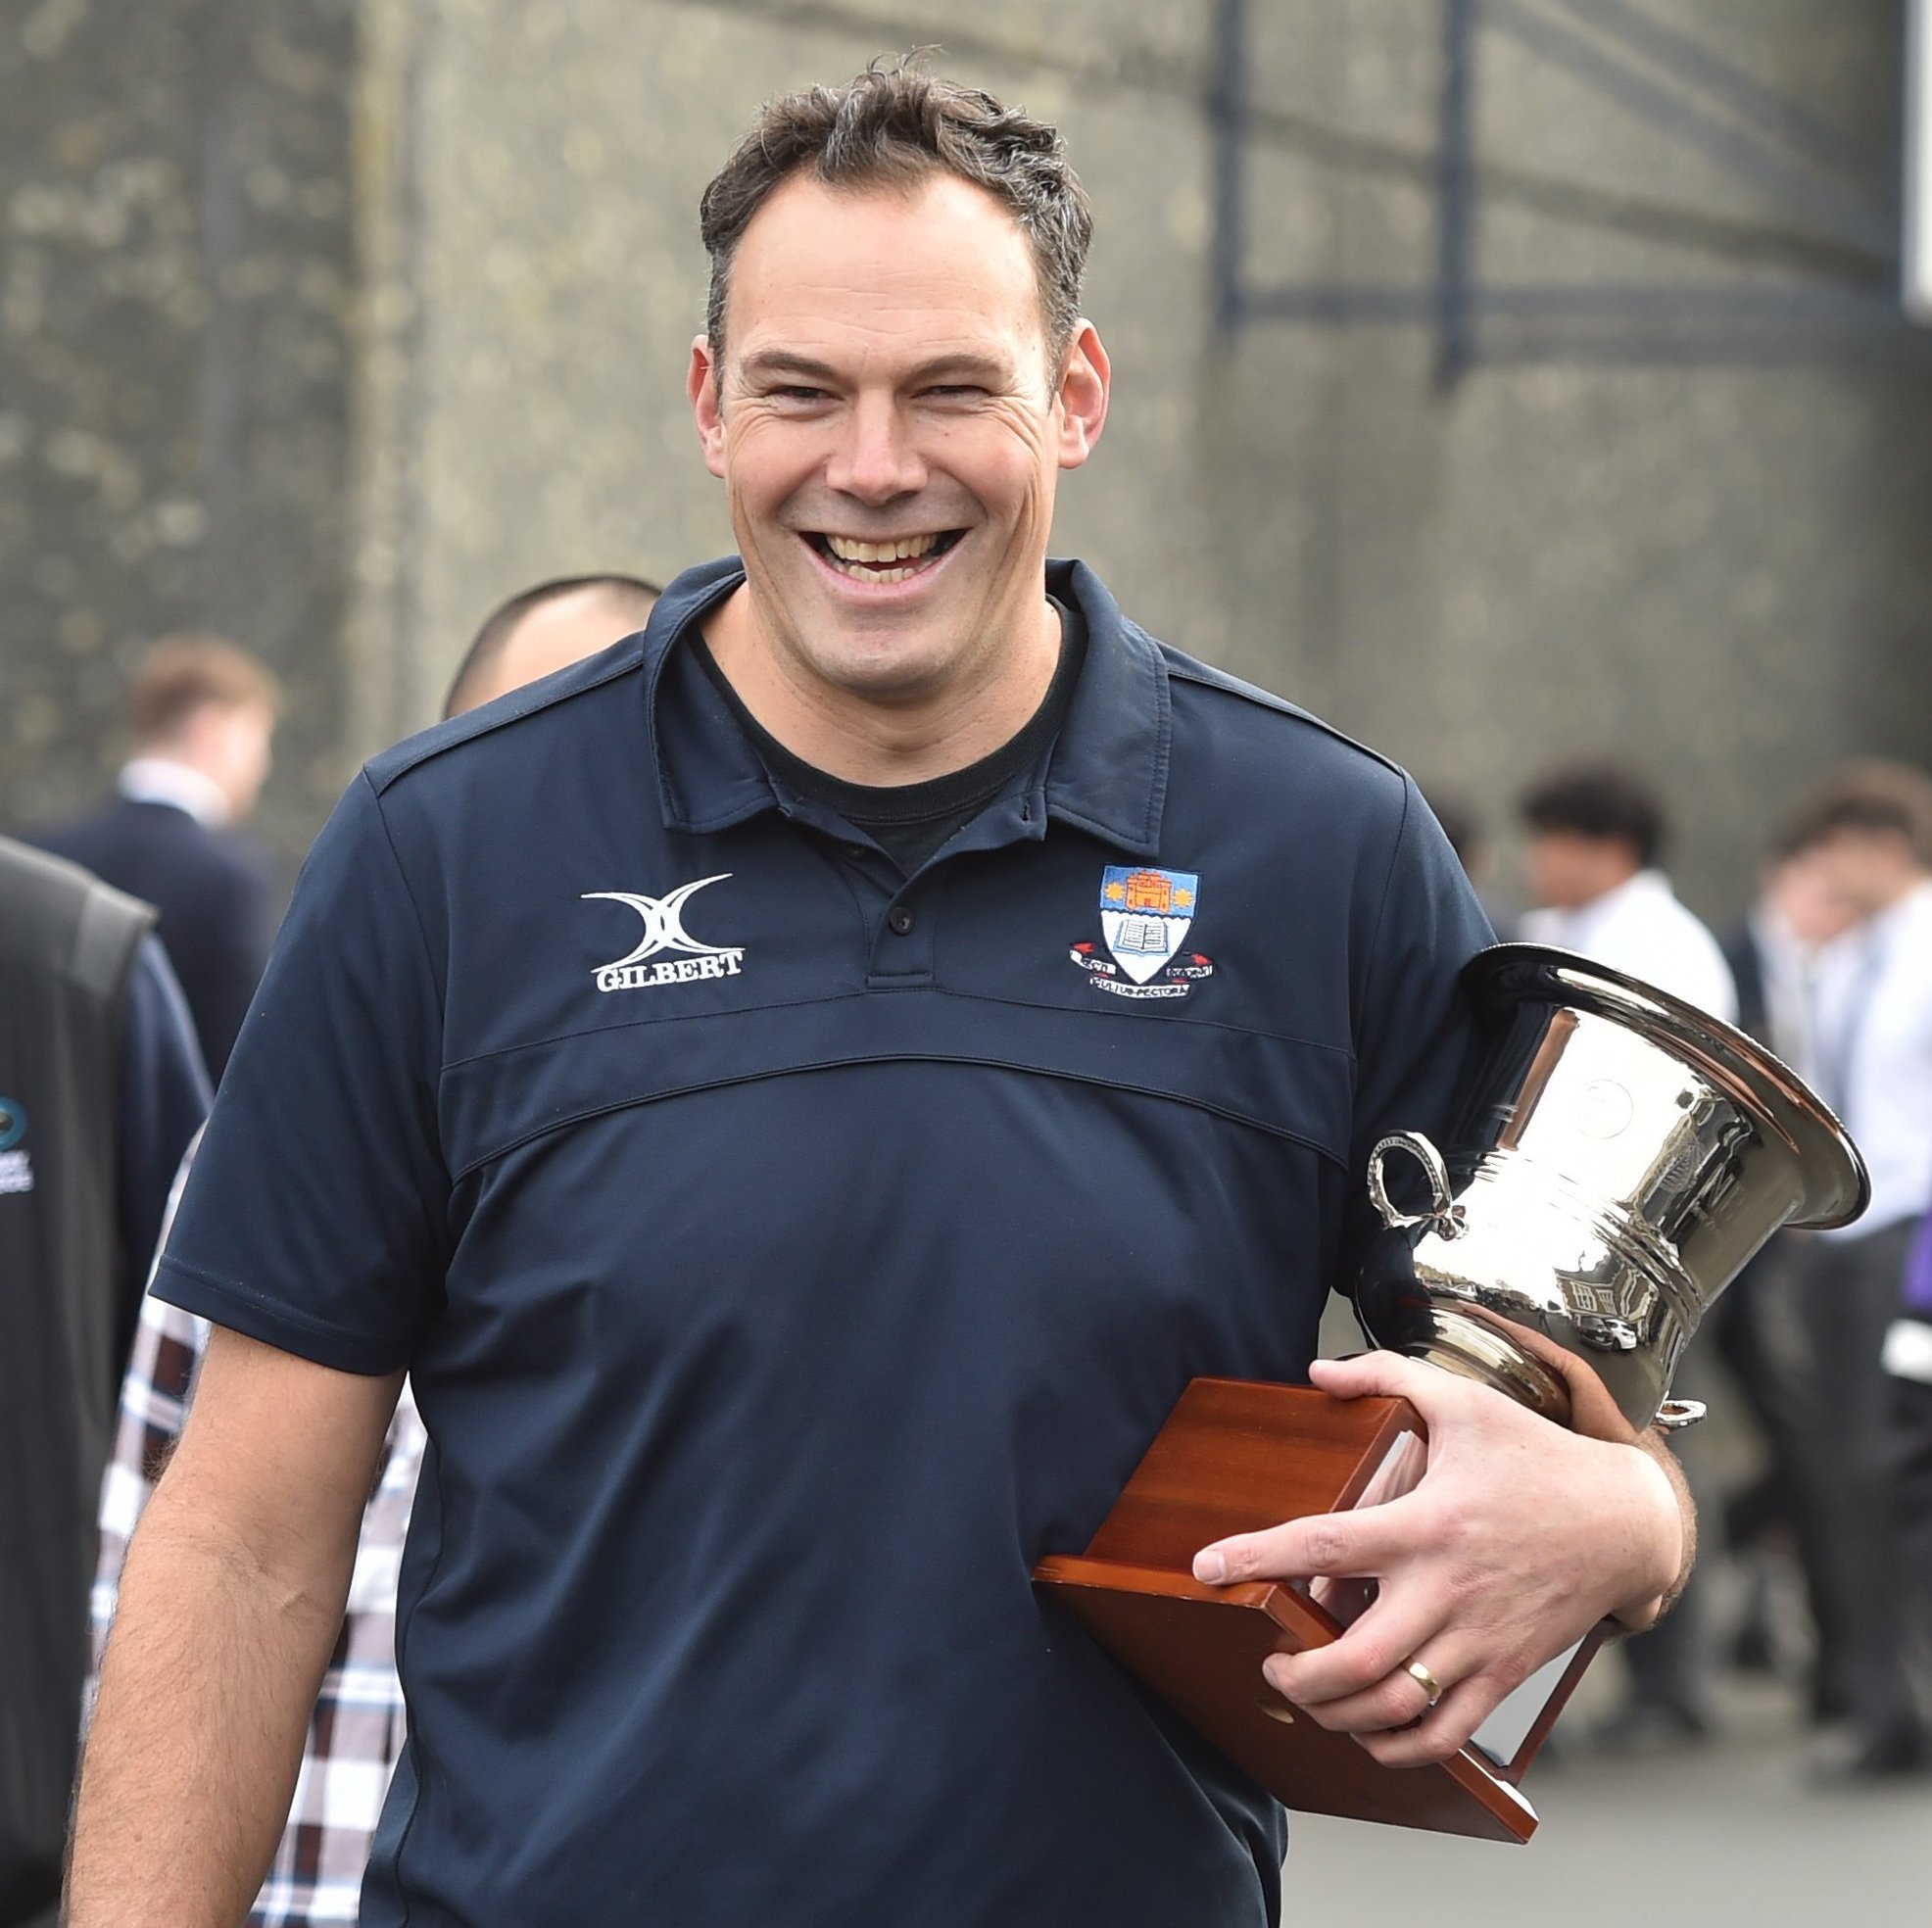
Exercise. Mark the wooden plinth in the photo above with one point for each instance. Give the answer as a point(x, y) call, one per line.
point(1234, 1456)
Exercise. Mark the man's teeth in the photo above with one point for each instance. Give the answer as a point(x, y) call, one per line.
point(903, 551)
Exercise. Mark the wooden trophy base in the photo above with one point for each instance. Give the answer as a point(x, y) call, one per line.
point(1235, 1456)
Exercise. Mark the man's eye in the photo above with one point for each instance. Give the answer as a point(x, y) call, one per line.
point(799, 394)
point(955, 392)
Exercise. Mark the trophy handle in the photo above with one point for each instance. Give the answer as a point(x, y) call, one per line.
point(1674, 1415)
point(1446, 1217)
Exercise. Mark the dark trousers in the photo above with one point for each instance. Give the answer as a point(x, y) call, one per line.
point(1912, 1410)
point(1673, 1666)
point(1758, 1333)
point(1851, 1475)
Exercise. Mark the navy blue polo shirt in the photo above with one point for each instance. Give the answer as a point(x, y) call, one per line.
point(789, 1253)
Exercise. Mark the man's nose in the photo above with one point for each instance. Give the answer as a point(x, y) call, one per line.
point(876, 460)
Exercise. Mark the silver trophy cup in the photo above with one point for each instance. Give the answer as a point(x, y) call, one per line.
point(1620, 1156)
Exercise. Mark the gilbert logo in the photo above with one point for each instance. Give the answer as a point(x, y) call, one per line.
point(663, 929)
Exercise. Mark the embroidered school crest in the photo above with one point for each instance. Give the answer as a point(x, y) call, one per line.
point(1144, 914)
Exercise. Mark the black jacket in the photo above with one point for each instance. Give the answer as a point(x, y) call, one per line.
point(67, 952)
point(215, 894)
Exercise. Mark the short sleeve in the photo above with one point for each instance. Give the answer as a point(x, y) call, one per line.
point(315, 1218)
point(1413, 1025)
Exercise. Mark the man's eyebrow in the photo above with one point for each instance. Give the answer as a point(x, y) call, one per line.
point(784, 361)
point(984, 366)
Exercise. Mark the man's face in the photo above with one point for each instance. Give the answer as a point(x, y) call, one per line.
point(890, 431)
point(1565, 869)
point(233, 744)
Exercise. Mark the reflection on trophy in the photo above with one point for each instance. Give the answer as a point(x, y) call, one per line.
point(1617, 1157)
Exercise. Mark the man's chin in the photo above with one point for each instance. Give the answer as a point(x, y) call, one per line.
point(879, 657)
point(890, 669)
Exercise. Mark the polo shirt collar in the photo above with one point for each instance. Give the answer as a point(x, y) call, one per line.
point(1109, 769)
point(1107, 773)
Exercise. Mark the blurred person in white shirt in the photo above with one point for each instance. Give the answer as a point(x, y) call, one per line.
point(1778, 954)
point(1870, 1039)
point(1595, 837)
point(1781, 950)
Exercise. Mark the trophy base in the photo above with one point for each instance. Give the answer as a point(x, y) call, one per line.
point(1234, 1456)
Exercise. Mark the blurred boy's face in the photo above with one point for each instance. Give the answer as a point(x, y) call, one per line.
point(1870, 870)
point(1564, 870)
point(1804, 894)
point(233, 744)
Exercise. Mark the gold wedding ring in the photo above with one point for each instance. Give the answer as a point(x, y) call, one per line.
point(1425, 1680)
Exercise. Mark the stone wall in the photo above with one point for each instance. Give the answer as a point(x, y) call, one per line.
point(1712, 567)
point(175, 296)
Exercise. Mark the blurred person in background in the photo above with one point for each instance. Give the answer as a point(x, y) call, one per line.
point(101, 1089)
point(1776, 954)
point(202, 715)
point(357, 1731)
point(1596, 835)
point(546, 629)
point(1871, 1061)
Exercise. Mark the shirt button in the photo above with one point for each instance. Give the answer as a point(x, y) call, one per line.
point(900, 918)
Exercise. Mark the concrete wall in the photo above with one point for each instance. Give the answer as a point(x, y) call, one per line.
point(1712, 569)
point(176, 319)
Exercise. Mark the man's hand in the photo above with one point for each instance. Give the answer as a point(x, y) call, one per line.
point(1519, 1537)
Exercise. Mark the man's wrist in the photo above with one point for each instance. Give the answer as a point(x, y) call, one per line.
point(1675, 1537)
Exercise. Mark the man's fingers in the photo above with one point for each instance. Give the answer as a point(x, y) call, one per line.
point(1427, 1388)
point(1437, 1735)
point(1398, 1699)
point(1339, 1545)
point(1371, 1655)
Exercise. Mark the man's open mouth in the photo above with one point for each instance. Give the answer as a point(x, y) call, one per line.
point(894, 560)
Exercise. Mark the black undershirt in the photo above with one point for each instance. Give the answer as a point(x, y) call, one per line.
point(910, 821)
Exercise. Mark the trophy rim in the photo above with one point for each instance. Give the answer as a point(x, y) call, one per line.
point(1837, 1186)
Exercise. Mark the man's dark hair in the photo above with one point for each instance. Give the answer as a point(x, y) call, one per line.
point(1600, 801)
point(629, 596)
point(895, 126)
point(1873, 797)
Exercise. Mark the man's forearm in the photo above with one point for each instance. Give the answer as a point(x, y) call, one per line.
point(206, 1691)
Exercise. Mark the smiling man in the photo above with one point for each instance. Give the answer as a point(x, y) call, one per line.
point(931, 1022)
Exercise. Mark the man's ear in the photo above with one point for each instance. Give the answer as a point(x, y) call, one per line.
point(1086, 379)
point(700, 383)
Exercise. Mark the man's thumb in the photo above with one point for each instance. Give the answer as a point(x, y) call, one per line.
point(1367, 1372)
